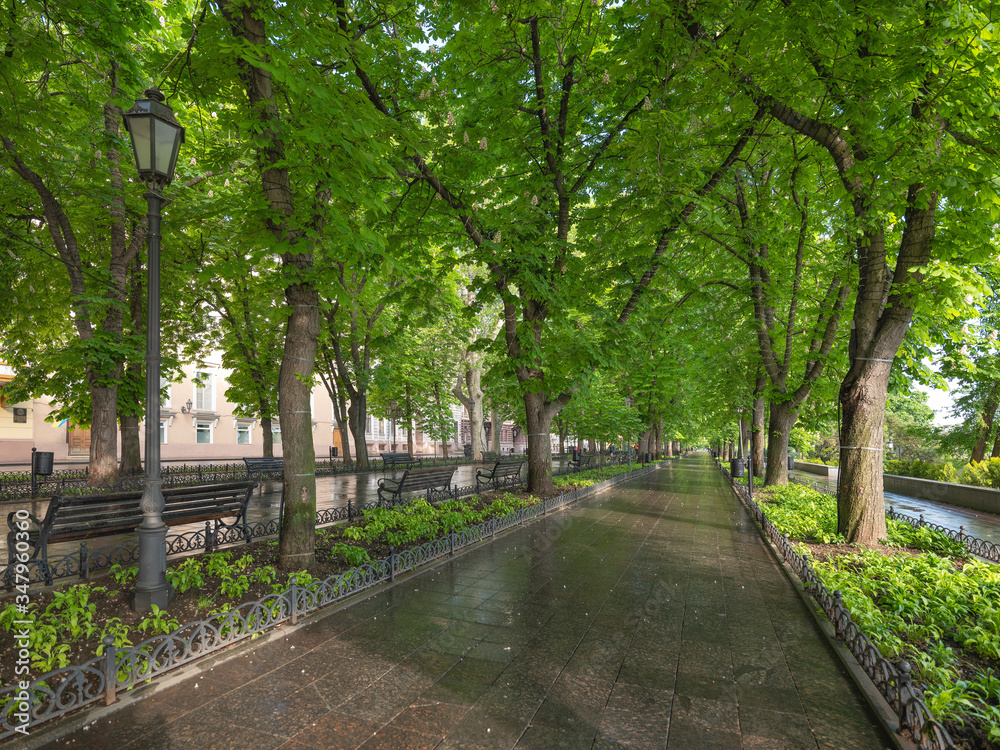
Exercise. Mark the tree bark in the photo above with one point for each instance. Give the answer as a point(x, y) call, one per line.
point(494, 431)
point(757, 425)
point(473, 404)
point(986, 424)
point(863, 406)
point(357, 413)
point(539, 416)
point(780, 424)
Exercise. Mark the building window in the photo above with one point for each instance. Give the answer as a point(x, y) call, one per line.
point(368, 425)
point(203, 431)
point(204, 395)
point(163, 432)
point(276, 434)
point(243, 433)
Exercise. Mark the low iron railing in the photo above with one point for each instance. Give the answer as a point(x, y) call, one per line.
point(17, 485)
point(61, 691)
point(892, 680)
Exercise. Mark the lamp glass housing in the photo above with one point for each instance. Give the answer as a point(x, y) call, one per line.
point(156, 137)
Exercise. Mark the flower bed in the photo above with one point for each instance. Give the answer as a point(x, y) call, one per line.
point(918, 598)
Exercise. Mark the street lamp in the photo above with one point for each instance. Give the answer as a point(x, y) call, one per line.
point(156, 139)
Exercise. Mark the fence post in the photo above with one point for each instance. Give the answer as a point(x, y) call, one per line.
point(208, 536)
point(110, 670)
point(961, 534)
point(392, 563)
point(350, 511)
point(294, 593)
point(451, 541)
point(84, 562)
point(838, 609)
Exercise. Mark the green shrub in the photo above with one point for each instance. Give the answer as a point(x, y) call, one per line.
point(923, 470)
point(982, 473)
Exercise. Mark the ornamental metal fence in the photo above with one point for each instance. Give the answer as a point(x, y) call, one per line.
point(892, 680)
point(61, 691)
point(17, 485)
point(84, 562)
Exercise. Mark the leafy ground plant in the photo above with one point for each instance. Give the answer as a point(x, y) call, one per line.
point(918, 597)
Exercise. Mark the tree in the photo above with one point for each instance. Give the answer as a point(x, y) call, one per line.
point(65, 76)
point(910, 146)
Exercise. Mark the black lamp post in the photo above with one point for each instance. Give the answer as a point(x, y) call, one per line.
point(156, 139)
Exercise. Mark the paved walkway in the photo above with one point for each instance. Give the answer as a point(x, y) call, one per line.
point(649, 616)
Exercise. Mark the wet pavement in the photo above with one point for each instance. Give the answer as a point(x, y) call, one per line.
point(649, 616)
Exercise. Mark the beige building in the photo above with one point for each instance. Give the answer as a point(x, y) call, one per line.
point(197, 423)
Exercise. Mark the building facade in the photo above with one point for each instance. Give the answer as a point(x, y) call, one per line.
point(198, 423)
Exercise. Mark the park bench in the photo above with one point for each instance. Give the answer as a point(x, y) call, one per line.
point(585, 461)
point(265, 468)
point(392, 460)
point(490, 456)
point(415, 480)
point(69, 518)
point(503, 469)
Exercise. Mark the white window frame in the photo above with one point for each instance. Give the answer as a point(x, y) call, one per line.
point(201, 393)
point(165, 401)
point(248, 426)
point(275, 433)
point(198, 423)
point(164, 428)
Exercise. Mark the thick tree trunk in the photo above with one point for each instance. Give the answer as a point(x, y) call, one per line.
point(266, 428)
point(996, 446)
point(670, 449)
point(131, 463)
point(357, 412)
point(538, 420)
point(298, 535)
point(986, 424)
point(863, 406)
point(103, 434)
point(780, 424)
point(409, 436)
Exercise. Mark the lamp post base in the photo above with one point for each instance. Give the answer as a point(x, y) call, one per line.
point(151, 585)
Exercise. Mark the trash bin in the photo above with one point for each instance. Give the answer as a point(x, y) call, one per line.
point(41, 463)
point(467, 450)
point(791, 463)
point(736, 468)
point(333, 451)
point(649, 458)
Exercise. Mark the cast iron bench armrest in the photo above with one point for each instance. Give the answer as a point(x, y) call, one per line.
point(414, 480)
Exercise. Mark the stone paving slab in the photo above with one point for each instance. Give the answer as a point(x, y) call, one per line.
point(650, 616)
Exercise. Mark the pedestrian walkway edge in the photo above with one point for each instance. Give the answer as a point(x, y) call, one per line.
point(883, 711)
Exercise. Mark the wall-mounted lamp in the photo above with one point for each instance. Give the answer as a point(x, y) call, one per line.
point(186, 409)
